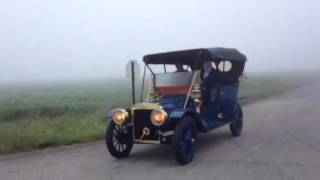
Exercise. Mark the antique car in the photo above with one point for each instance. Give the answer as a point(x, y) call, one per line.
point(190, 91)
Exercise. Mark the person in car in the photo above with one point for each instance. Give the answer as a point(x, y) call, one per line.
point(209, 73)
point(180, 68)
point(210, 80)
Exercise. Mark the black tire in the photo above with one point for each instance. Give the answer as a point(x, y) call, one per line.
point(237, 123)
point(119, 140)
point(184, 140)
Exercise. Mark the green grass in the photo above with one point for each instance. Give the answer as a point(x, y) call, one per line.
point(42, 115)
point(36, 116)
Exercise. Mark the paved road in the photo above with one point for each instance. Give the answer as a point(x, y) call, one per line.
point(281, 140)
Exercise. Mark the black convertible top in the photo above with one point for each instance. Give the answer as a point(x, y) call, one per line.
point(191, 56)
point(195, 58)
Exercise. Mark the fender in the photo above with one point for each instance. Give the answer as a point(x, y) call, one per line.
point(176, 115)
point(179, 113)
point(109, 114)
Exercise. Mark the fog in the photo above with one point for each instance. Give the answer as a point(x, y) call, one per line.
point(78, 39)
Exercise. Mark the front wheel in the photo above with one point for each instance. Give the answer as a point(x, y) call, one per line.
point(237, 123)
point(184, 140)
point(119, 140)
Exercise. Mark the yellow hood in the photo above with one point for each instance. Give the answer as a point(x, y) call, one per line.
point(146, 106)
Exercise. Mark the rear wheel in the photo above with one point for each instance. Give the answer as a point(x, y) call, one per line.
point(184, 140)
point(119, 140)
point(237, 123)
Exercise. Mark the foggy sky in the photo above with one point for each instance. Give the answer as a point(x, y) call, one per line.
point(77, 39)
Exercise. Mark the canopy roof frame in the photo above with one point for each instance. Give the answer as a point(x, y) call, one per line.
point(196, 57)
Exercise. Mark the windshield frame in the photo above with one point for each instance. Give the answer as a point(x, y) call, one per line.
point(195, 74)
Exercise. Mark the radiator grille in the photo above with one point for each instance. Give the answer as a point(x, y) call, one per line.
point(141, 120)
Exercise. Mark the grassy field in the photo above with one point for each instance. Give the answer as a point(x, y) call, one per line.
point(36, 116)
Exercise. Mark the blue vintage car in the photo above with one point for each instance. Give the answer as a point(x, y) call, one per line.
point(190, 92)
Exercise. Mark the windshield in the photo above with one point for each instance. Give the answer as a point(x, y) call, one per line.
point(176, 79)
point(168, 79)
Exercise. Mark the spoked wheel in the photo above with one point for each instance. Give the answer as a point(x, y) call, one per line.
point(119, 140)
point(237, 123)
point(184, 140)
